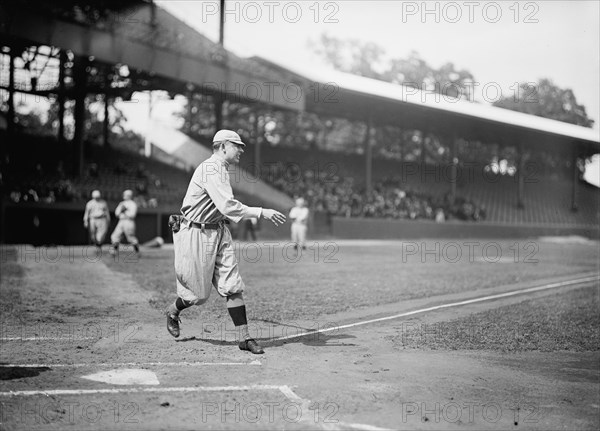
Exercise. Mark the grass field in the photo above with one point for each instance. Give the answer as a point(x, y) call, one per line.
point(348, 276)
point(558, 322)
point(536, 353)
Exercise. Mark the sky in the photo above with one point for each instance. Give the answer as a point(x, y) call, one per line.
point(500, 42)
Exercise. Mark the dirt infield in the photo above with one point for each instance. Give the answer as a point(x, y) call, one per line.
point(66, 319)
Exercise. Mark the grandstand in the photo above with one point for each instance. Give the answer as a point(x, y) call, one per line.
point(45, 176)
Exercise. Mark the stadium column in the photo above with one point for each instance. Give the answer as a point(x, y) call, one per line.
point(61, 96)
point(257, 143)
point(222, 23)
point(454, 166)
point(218, 101)
point(148, 140)
point(106, 122)
point(80, 94)
point(368, 157)
point(159, 224)
point(10, 119)
point(520, 176)
point(402, 146)
point(190, 107)
point(423, 135)
point(575, 154)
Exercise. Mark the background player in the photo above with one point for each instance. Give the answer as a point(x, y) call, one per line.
point(96, 218)
point(299, 216)
point(126, 212)
point(204, 254)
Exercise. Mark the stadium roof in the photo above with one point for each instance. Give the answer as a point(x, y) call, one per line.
point(145, 37)
point(387, 103)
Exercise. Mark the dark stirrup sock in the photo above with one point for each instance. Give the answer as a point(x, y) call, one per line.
point(182, 304)
point(238, 315)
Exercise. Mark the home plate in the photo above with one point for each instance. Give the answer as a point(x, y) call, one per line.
point(133, 376)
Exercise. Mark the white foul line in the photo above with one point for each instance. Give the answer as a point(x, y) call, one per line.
point(139, 390)
point(451, 304)
point(130, 364)
point(48, 338)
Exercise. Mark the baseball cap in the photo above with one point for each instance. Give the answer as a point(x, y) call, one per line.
point(228, 135)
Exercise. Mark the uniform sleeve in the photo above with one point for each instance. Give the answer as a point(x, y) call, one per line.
point(132, 210)
point(86, 213)
point(219, 189)
point(106, 211)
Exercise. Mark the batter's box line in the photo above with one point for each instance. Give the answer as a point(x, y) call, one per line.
point(132, 364)
point(67, 338)
point(284, 389)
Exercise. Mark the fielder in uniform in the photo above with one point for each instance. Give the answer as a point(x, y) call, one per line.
point(204, 254)
point(126, 212)
point(299, 216)
point(96, 218)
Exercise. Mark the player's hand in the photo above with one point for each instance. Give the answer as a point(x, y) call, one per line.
point(275, 216)
point(85, 224)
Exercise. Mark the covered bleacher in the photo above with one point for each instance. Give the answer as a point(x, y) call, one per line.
point(114, 49)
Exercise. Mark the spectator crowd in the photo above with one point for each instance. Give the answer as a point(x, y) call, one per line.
point(342, 196)
point(323, 191)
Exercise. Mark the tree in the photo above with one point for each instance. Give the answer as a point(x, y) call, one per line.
point(545, 99)
point(415, 72)
point(351, 56)
point(367, 59)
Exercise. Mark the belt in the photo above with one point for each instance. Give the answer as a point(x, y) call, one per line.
point(203, 226)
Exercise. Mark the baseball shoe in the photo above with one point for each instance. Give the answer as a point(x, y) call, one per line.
point(251, 346)
point(173, 322)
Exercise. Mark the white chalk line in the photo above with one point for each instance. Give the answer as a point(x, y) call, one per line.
point(451, 304)
point(131, 364)
point(284, 389)
point(48, 338)
point(324, 423)
point(138, 390)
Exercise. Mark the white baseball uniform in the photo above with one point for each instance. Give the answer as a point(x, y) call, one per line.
point(205, 257)
point(126, 212)
point(97, 217)
point(299, 215)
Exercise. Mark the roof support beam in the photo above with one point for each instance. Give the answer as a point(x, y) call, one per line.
point(120, 45)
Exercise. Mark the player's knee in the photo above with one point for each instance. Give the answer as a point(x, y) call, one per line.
point(197, 301)
point(236, 297)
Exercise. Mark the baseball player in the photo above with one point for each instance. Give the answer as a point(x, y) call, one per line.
point(299, 216)
point(96, 218)
point(204, 254)
point(125, 212)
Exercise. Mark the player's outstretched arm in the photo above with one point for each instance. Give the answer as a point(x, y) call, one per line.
point(86, 216)
point(275, 216)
